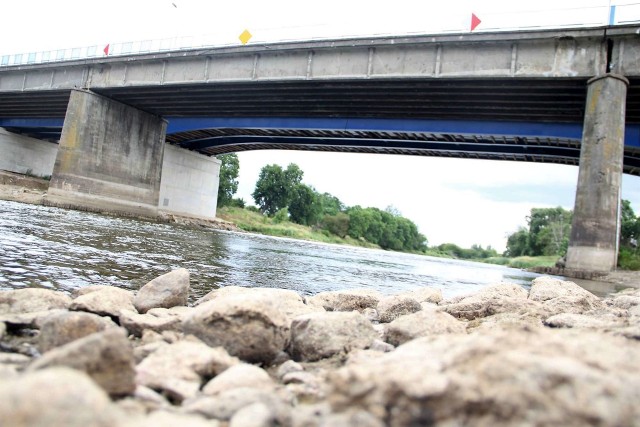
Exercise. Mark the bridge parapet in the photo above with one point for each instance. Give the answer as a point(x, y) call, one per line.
point(578, 53)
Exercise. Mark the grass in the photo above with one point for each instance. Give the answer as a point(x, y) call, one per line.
point(255, 222)
point(523, 261)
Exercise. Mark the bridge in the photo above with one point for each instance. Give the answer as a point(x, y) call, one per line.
point(563, 96)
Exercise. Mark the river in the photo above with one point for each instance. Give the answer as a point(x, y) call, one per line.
point(64, 250)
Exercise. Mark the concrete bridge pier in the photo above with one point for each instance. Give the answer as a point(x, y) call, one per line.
point(109, 159)
point(593, 245)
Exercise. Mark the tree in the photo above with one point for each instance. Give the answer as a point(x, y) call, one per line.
point(547, 234)
point(518, 243)
point(330, 204)
point(229, 170)
point(275, 186)
point(337, 224)
point(629, 224)
point(304, 206)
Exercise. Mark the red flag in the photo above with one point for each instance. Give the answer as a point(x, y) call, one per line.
point(106, 50)
point(475, 21)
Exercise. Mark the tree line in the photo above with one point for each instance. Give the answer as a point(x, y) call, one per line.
point(548, 231)
point(280, 194)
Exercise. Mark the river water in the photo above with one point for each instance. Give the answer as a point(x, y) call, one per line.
point(64, 250)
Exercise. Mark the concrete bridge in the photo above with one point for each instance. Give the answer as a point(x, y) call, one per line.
point(564, 96)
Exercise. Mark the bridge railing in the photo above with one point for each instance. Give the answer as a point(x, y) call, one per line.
point(535, 19)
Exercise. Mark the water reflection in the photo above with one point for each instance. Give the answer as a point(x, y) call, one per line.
point(59, 249)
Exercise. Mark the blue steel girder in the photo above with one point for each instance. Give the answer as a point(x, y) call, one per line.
point(523, 141)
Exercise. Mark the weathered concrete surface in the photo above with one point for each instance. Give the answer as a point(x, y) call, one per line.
point(110, 157)
point(26, 155)
point(189, 184)
point(594, 233)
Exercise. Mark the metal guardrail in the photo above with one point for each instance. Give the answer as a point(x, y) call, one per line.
point(548, 19)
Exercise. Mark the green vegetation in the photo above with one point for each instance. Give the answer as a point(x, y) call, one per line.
point(523, 262)
point(282, 197)
point(229, 170)
point(254, 221)
point(547, 234)
point(629, 257)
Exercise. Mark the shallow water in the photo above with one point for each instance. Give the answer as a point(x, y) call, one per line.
point(64, 250)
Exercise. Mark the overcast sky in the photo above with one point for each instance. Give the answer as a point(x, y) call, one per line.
point(460, 201)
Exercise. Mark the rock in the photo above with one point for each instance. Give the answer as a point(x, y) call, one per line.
point(63, 327)
point(31, 319)
point(247, 326)
point(499, 378)
point(351, 419)
point(255, 415)
point(166, 291)
point(626, 301)
point(381, 346)
point(136, 323)
point(288, 302)
point(32, 300)
point(573, 320)
point(150, 399)
point(240, 375)
point(518, 321)
point(143, 351)
point(319, 335)
point(178, 370)
point(546, 288)
point(350, 300)
point(169, 419)
point(498, 290)
point(559, 296)
point(3, 329)
point(492, 300)
point(288, 367)
point(105, 301)
point(474, 307)
point(13, 361)
point(107, 357)
point(224, 405)
point(421, 324)
point(57, 396)
point(430, 295)
point(392, 307)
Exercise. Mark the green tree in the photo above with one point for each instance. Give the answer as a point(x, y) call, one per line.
point(330, 204)
point(304, 207)
point(275, 186)
point(337, 224)
point(629, 224)
point(518, 243)
point(229, 170)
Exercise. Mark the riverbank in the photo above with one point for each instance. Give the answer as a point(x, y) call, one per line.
point(260, 357)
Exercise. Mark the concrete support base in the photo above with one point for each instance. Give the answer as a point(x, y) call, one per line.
point(25, 155)
point(593, 245)
point(109, 158)
point(189, 185)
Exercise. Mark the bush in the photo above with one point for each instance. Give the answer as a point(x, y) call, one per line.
point(252, 209)
point(336, 224)
point(237, 203)
point(281, 216)
point(629, 259)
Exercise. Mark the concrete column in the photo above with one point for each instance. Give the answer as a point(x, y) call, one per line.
point(109, 159)
point(22, 154)
point(594, 233)
point(189, 184)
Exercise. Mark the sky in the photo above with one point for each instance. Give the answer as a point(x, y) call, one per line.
point(461, 201)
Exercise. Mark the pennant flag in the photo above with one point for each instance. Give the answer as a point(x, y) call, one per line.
point(475, 21)
point(106, 50)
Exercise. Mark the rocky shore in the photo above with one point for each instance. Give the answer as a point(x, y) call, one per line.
point(554, 355)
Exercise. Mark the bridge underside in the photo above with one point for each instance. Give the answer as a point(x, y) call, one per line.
point(534, 120)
